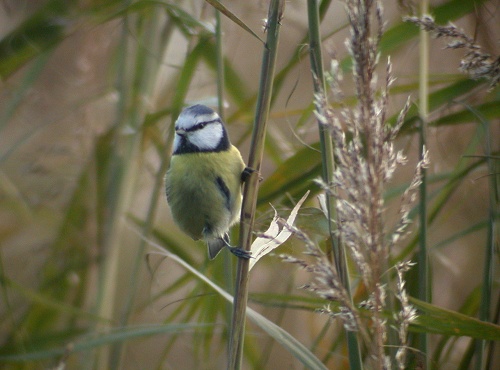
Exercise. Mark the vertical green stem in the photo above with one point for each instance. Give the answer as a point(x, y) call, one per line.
point(276, 8)
point(142, 67)
point(424, 293)
point(220, 64)
point(489, 257)
point(107, 273)
point(155, 195)
point(327, 156)
point(228, 260)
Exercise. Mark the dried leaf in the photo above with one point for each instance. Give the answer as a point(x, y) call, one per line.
point(275, 235)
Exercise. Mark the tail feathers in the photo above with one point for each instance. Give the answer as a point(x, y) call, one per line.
point(216, 245)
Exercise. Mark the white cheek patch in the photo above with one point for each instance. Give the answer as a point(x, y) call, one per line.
point(207, 138)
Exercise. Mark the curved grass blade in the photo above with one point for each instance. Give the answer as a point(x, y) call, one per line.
point(462, 233)
point(221, 8)
point(442, 350)
point(49, 302)
point(93, 341)
point(186, 23)
point(292, 345)
point(296, 171)
point(29, 78)
point(488, 111)
point(234, 85)
point(437, 320)
point(288, 301)
point(43, 30)
point(437, 100)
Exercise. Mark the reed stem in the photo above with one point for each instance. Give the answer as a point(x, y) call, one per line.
point(275, 15)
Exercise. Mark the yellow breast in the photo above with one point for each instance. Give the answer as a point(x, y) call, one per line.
point(195, 191)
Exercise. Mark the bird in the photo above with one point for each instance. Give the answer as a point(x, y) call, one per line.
point(204, 182)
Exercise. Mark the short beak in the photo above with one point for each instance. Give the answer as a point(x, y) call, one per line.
point(180, 132)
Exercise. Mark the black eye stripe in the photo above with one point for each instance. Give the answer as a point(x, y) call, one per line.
point(200, 125)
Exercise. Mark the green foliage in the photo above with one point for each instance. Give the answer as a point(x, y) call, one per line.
point(79, 283)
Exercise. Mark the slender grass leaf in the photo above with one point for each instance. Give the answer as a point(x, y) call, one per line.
point(188, 24)
point(234, 85)
point(26, 84)
point(168, 241)
point(40, 299)
point(43, 30)
point(437, 100)
point(288, 301)
point(56, 299)
point(295, 172)
point(460, 234)
point(41, 341)
point(437, 320)
point(114, 336)
point(291, 344)
point(221, 8)
point(490, 111)
point(186, 76)
point(465, 363)
point(470, 307)
point(441, 197)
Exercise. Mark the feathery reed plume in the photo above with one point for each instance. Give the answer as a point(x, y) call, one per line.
point(327, 283)
point(405, 316)
point(476, 63)
point(366, 160)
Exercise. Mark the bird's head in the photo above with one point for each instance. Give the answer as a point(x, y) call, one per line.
point(199, 129)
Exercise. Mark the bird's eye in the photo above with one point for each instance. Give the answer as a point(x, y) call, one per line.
point(202, 125)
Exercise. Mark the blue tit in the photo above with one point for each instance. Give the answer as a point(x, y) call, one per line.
point(203, 183)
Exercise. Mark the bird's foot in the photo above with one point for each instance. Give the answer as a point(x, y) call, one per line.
point(240, 253)
point(247, 172)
